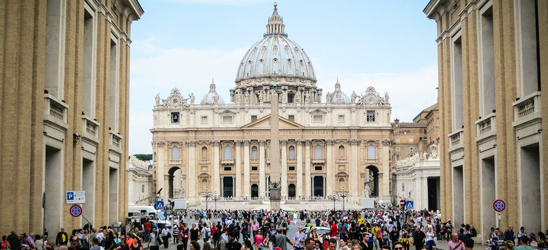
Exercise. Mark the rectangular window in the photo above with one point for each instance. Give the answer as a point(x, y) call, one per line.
point(341, 119)
point(204, 119)
point(291, 168)
point(114, 85)
point(318, 168)
point(456, 84)
point(397, 140)
point(290, 97)
point(318, 118)
point(88, 70)
point(527, 47)
point(254, 168)
point(291, 118)
point(55, 47)
point(487, 62)
point(397, 157)
point(175, 117)
point(370, 116)
point(253, 118)
point(227, 119)
point(228, 168)
point(143, 188)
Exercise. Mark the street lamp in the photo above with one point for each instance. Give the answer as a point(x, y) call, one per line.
point(334, 198)
point(343, 194)
point(215, 198)
point(207, 195)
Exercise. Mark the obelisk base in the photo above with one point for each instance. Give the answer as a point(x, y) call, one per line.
point(275, 199)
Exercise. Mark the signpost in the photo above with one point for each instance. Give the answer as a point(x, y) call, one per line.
point(75, 210)
point(159, 205)
point(75, 197)
point(499, 206)
point(402, 203)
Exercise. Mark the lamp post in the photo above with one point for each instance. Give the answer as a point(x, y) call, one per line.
point(343, 194)
point(215, 198)
point(206, 195)
point(334, 198)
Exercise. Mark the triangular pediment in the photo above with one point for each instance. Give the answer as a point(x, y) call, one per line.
point(264, 123)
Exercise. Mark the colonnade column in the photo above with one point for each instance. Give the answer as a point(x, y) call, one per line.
point(238, 166)
point(191, 175)
point(354, 164)
point(247, 183)
point(299, 158)
point(262, 170)
point(329, 166)
point(308, 184)
point(216, 166)
point(283, 144)
point(385, 169)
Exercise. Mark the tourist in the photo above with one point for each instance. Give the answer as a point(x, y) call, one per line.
point(455, 243)
point(62, 238)
point(523, 242)
point(220, 243)
point(366, 244)
point(232, 243)
point(298, 239)
point(194, 245)
point(430, 243)
point(137, 244)
point(309, 244)
point(418, 238)
point(165, 236)
point(281, 240)
point(469, 244)
point(258, 240)
point(155, 241)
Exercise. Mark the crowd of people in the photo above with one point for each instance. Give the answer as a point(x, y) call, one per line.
point(263, 229)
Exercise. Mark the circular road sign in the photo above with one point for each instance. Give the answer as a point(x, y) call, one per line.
point(75, 210)
point(402, 203)
point(499, 205)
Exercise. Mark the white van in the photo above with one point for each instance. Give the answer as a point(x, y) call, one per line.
point(156, 216)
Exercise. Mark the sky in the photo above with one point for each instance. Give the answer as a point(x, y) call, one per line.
point(185, 44)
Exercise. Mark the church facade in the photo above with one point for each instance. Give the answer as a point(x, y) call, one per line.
point(339, 143)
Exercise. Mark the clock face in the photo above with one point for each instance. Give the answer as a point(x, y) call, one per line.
point(175, 100)
point(370, 98)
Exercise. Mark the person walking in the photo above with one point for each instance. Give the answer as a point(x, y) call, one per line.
point(165, 236)
point(62, 238)
point(154, 240)
point(298, 239)
point(455, 243)
point(418, 238)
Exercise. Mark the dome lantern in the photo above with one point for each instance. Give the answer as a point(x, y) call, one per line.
point(275, 24)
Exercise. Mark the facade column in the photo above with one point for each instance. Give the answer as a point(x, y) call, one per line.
point(329, 165)
point(191, 175)
point(307, 177)
point(283, 144)
point(385, 191)
point(262, 170)
point(216, 166)
point(238, 165)
point(354, 172)
point(299, 187)
point(160, 162)
point(247, 182)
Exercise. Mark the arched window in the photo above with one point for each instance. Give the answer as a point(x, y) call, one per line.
point(204, 153)
point(254, 153)
point(292, 153)
point(228, 153)
point(341, 152)
point(175, 153)
point(318, 152)
point(371, 152)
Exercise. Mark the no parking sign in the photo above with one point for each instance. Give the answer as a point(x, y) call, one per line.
point(499, 205)
point(75, 210)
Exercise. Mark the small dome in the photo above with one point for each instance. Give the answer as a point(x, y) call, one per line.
point(337, 96)
point(212, 97)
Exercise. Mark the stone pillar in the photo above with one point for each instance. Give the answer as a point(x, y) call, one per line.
point(299, 187)
point(385, 170)
point(354, 171)
point(191, 175)
point(262, 170)
point(216, 167)
point(238, 165)
point(308, 184)
point(247, 182)
point(161, 161)
point(283, 144)
point(329, 165)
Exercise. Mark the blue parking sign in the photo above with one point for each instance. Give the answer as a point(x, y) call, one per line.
point(159, 205)
point(409, 205)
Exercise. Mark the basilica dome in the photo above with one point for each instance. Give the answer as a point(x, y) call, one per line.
point(275, 54)
point(212, 98)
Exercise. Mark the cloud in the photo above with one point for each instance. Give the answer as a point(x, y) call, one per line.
point(222, 2)
point(158, 70)
point(410, 92)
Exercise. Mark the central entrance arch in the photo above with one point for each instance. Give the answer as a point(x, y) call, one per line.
point(291, 190)
point(174, 189)
point(318, 186)
point(372, 179)
point(254, 191)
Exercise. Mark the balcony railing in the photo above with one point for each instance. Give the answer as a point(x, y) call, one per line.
point(486, 124)
point(116, 140)
point(227, 162)
point(55, 108)
point(89, 127)
point(456, 138)
point(527, 106)
point(318, 161)
point(175, 161)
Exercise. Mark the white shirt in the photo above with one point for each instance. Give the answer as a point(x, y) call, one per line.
point(165, 232)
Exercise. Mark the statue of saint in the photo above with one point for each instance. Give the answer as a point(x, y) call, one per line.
point(367, 191)
point(386, 98)
point(354, 96)
point(158, 99)
point(238, 98)
point(261, 97)
point(192, 98)
point(298, 97)
point(328, 97)
point(246, 97)
point(306, 97)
